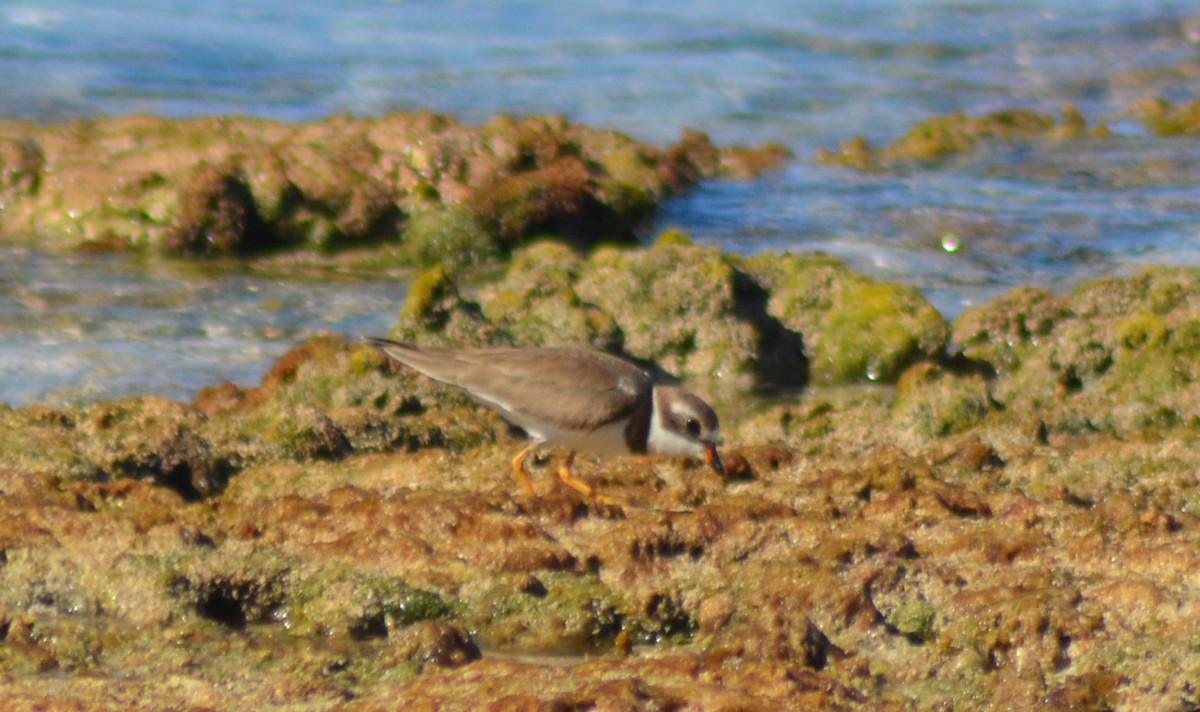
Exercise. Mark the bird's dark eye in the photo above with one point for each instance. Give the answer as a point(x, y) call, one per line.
point(692, 426)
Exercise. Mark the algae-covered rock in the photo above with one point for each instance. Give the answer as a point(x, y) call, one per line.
point(345, 602)
point(939, 403)
point(321, 402)
point(327, 399)
point(957, 133)
point(21, 166)
point(915, 546)
point(694, 312)
point(156, 439)
point(1002, 332)
point(440, 190)
point(556, 612)
point(1116, 353)
point(913, 619)
point(688, 309)
point(217, 215)
point(1167, 119)
point(855, 329)
point(1006, 525)
point(435, 311)
point(144, 438)
point(452, 235)
point(940, 137)
point(537, 302)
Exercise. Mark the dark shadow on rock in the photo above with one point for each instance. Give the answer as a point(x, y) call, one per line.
point(781, 363)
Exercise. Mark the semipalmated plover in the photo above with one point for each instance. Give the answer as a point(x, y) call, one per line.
point(575, 399)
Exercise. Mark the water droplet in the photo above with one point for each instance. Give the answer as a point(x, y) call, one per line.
point(950, 242)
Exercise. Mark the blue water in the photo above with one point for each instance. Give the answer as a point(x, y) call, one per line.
point(804, 74)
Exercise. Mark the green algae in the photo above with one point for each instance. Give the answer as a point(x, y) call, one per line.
point(564, 613)
point(874, 331)
point(938, 138)
point(914, 620)
point(419, 186)
point(938, 403)
point(436, 311)
point(1167, 119)
point(451, 234)
point(344, 602)
point(1024, 508)
point(673, 236)
point(687, 308)
point(854, 329)
point(536, 301)
point(1116, 353)
point(567, 614)
point(429, 288)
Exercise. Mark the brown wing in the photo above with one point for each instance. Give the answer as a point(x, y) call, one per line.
point(580, 389)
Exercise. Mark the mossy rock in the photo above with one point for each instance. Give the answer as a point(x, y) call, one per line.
point(353, 604)
point(1117, 353)
point(686, 308)
point(937, 138)
point(1167, 119)
point(936, 403)
point(436, 312)
point(536, 302)
point(559, 612)
point(327, 399)
point(855, 329)
point(695, 312)
point(956, 133)
point(153, 438)
point(450, 235)
point(236, 186)
point(914, 620)
point(1003, 332)
point(40, 439)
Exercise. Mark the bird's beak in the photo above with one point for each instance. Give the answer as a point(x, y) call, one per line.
point(713, 459)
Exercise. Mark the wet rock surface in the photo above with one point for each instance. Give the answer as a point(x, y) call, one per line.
point(418, 187)
point(1007, 518)
point(941, 139)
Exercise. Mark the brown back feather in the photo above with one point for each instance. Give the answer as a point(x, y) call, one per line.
point(600, 387)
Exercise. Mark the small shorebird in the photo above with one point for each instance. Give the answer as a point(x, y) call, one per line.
point(573, 398)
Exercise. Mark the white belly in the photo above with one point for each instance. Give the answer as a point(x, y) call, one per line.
point(605, 440)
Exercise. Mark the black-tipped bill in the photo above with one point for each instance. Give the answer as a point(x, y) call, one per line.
point(713, 459)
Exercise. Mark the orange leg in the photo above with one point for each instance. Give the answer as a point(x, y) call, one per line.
point(564, 474)
point(518, 466)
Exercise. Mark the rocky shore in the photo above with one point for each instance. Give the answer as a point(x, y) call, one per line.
point(995, 512)
point(417, 188)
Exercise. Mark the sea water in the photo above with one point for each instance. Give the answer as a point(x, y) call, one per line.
point(804, 74)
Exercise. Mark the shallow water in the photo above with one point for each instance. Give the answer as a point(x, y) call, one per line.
point(83, 328)
point(806, 76)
